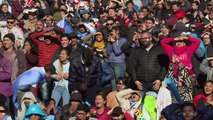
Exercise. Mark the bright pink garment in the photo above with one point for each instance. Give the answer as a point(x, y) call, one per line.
point(184, 53)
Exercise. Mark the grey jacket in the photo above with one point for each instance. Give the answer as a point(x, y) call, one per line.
point(206, 69)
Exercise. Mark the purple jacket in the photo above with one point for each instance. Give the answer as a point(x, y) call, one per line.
point(5, 76)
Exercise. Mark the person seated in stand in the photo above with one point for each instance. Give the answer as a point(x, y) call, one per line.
point(186, 111)
point(83, 113)
point(205, 98)
point(71, 109)
point(34, 112)
point(117, 113)
point(100, 107)
point(132, 101)
point(207, 68)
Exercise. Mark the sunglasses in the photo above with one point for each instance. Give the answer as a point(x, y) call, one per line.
point(10, 22)
point(2, 111)
point(180, 41)
point(109, 24)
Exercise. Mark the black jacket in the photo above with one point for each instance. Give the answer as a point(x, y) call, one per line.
point(80, 79)
point(149, 66)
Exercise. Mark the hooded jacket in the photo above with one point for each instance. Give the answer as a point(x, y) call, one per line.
point(22, 108)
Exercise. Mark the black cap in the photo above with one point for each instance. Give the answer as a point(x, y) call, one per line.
point(11, 36)
point(76, 97)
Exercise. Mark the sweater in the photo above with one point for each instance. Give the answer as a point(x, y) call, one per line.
point(114, 51)
point(46, 52)
point(206, 69)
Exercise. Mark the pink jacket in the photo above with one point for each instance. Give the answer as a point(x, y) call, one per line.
point(184, 53)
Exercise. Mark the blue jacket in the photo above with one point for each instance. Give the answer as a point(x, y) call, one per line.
point(114, 51)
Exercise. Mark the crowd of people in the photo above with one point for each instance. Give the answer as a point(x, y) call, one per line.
point(106, 60)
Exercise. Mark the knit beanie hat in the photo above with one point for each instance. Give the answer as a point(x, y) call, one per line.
point(11, 36)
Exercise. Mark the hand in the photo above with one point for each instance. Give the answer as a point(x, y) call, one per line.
point(209, 58)
point(18, 43)
point(136, 37)
point(156, 84)
point(46, 33)
point(66, 76)
point(52, 33)
point(139, 85)
point(111, 39)
point(110, 111)
point(76, 91)
point(56, 76)
point(175, 59)
point(25, 51)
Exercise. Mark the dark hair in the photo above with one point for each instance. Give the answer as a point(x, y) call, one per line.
point(189, 105)
point(6, 111)
point(102, 94)
point(87, 55)
point(4, 4)
point(11, 16)
point(66, 50)
point(150, 18)
point(209, 81)
point(34, 49)
point(175, 3)
point(123, 79)
point(83, 107)
point(189, 17)
point(121, 30)
point(111, 18)
point(196, 2)
point(146, 8)
point(49, 68)
point(65, 35)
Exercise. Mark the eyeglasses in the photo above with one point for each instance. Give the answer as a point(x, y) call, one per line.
point(108, 24)
point(80, 114)
point(10, 22)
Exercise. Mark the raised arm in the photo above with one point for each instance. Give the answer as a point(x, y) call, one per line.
point(203, 66)
point(116, 46)
point(165, 45)
point(35, 37)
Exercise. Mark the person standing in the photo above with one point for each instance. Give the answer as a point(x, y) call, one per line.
point(148, 71)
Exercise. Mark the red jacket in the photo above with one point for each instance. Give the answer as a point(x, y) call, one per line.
point(46, 52)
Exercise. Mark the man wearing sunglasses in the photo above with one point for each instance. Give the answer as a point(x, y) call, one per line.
point(11, 27)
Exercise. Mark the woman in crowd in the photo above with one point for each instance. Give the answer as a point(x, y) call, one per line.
point(100, 107)
point(31, 53)
point(205, 98)
point(61, 83)
point(207, 67)
point(51, 110)
point(116, 56)
point(206, 39)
